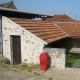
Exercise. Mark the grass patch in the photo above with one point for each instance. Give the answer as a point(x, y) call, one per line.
point(37, 73)
point(4, 62)
point(26, 67)
point(73, 60)
point(71, 57)
point(50, 78)
point(35, 66)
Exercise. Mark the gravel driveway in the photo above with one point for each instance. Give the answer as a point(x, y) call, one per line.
point(51, 74)
point(8, 73)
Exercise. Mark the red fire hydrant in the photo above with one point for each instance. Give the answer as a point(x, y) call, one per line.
point(43, 61)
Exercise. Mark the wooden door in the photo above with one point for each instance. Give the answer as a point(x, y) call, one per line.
point(16, 48)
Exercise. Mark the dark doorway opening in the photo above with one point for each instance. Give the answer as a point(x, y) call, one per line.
point(16, 50)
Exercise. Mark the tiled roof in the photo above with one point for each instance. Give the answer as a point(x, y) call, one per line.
point(60, 18)
point(72, 29)
point(47, 31)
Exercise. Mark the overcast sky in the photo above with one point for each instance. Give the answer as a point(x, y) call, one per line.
point(71, 7)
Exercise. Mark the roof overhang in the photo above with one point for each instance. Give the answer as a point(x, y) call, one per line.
point(21, 14)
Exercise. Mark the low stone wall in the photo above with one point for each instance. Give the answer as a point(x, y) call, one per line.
point(75, 50)
point(57, 57)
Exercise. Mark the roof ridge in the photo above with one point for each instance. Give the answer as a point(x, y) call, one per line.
point(60, 14)
point(60, 17)
point(61, 29)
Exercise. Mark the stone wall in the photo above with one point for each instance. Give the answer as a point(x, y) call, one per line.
point(31, 45)
point(57, 57)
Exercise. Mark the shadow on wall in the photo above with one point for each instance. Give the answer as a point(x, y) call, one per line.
point(67, 43)
point(49, 61)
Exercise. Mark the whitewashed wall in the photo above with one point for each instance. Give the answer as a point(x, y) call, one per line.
point(31, 46)
point(58, 57)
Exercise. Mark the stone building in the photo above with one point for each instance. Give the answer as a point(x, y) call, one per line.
point(24, 39)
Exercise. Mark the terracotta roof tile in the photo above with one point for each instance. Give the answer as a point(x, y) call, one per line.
point(60, 18)
point(47, 31)
point(73, 29)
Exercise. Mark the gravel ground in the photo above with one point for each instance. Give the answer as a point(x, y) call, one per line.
point(51, 74)
point(8, 73)
point(66, 74)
